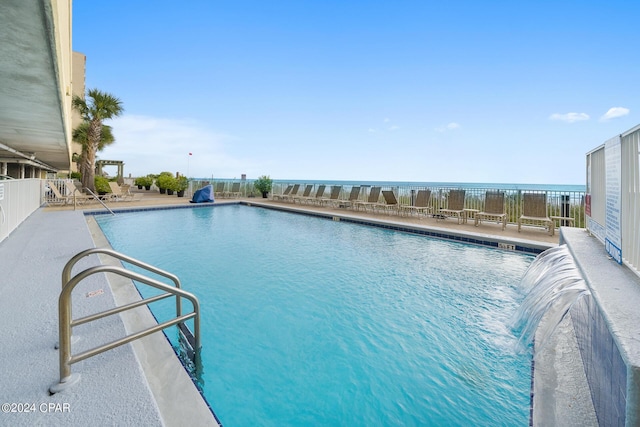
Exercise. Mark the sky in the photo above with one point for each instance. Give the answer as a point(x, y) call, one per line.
point(427, 91)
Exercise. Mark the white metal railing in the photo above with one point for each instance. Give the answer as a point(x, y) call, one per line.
point(568, 204)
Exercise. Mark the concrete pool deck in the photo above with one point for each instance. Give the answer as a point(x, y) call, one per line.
point(140, 383)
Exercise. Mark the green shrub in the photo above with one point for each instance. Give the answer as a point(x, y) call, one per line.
point(263, 184)
point(182, 183)
point(165, 181)
point(102, 184)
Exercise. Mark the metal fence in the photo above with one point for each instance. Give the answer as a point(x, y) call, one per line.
point(567, 204)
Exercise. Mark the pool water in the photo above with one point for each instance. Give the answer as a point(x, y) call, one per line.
point(308, 321)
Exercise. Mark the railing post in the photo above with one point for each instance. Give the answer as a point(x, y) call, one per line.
point(565, 208)
point(67, 379)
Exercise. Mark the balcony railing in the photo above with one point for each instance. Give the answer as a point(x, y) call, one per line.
point(566, 204)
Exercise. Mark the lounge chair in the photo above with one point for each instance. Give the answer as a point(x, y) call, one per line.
point(54, 197)
point(126, 189)
point(305, 194)
point(534, 211)
point(235, 191)
point(80, 197)
point(421, 204)
point(390, 202)
point(372, 200)
point(493, 209)
point(333, 197)
point(292, 194)
point(219, 191)
point(284, 194)
point(57, 198)
point(455, 206)
point(317, 197)
point(117, 194)
point(353, 198)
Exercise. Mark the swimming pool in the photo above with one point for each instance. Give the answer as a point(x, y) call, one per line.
point(314, 322)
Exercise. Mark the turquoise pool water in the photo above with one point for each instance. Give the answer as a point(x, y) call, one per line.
point(308, 321)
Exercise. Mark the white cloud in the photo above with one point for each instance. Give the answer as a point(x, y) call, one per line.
point(152, 145)
point(614, 112)
point(394, 127)
point(447, 127)
point(386, 120)
point(371, 130)
point(569, 117)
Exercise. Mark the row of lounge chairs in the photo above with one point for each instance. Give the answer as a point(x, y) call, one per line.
point(220, 191)
point(372, 202)
point(66, 193)
point(534, 210)
point(534, 205)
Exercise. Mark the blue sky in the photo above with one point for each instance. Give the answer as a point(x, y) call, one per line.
point(458, 91)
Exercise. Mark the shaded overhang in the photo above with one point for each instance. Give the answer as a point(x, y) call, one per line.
point(33, 122)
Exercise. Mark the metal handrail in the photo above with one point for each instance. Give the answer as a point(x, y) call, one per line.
point(66, 271)
point(66, 321)
point(98, 199)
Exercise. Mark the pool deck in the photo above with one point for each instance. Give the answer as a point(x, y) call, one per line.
point(142, 382)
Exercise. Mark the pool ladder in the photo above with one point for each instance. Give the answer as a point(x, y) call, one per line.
point(66, 322)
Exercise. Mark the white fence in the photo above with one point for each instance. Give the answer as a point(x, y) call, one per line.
point(19, 198)
point(613, 196)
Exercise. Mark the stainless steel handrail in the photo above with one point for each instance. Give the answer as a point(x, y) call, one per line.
point(66, 271)
point(98, 199)
point(66, 321)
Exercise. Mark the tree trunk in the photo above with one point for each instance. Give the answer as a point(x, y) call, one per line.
point(93, 135)
point(88, 171)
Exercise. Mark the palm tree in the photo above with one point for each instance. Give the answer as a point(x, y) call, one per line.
point(99, 107)
point(81, 136)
